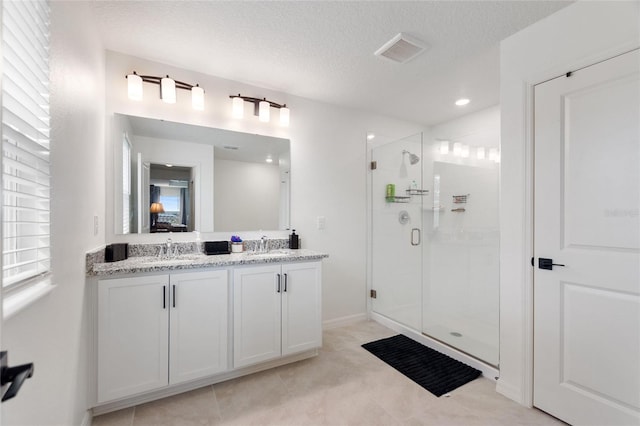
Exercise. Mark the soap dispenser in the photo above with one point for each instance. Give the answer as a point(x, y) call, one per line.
point(294, 241)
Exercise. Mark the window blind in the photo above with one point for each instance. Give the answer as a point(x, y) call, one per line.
point(25, 141)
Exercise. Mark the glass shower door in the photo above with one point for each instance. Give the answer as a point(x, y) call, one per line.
point(396, 216)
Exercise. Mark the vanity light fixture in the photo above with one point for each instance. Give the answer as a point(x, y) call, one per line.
point(168, 88)
point(457, 149)
point(263, 113)
point(444, 147)
point(261, 108)
point(480, 153)
point(464, 152)
point(493, 154)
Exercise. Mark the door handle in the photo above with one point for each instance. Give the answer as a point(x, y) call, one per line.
point(415, 232)
point(544, 263)
point(174, 296)
point(278, 285)
point(164, 297)
point(285, 282)
point(14, 375)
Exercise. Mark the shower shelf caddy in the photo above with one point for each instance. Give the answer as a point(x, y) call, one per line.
point(460, 199)
point(398, 199)
point(407, 198)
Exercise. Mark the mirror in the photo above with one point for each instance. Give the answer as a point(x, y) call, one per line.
point(175, 177)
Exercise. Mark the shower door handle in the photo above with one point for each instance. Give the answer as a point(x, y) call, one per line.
point(415, 237)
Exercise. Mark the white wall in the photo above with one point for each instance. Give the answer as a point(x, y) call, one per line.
point(576, 36)
point(54, 331)
point(328, 176)
point(247, 195)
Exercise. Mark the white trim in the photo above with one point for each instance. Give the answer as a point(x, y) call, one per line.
point(87, 419)
point(488, 371)
point(19, 299)
point(344, 321)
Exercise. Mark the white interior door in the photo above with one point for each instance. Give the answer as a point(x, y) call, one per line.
point(587, 198)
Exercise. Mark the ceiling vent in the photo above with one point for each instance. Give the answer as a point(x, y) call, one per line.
point(402, 48)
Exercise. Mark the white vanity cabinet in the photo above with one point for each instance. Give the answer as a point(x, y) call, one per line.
point(154, 331)
point(276, 311)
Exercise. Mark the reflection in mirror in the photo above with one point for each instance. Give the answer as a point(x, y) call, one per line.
point(171, 195)
point(174, 177)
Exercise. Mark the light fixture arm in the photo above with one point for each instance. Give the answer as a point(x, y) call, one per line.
point(256, 102)
point(157, 80)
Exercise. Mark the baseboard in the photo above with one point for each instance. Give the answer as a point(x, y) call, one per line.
point(87, 419)
point(510, 391)
point(343, 321)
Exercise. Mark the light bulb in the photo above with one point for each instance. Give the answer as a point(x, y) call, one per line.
point(464, 152)
point(238, 107)
point(134, 86)
point(284, 116)
point(168, 90)
point(263, 114)
point(480, 153)
point(444, 147)
point(462, 102)
point(457, 149)
point(197, 97)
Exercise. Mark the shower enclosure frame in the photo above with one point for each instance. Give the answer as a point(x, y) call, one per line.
point(488, 370)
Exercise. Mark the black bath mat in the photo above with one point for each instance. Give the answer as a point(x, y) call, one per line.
point(436, 372)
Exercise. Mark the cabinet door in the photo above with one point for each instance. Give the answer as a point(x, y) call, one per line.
point(256, 315)
point(198, 324)
point(301, 307)
point(133, 336)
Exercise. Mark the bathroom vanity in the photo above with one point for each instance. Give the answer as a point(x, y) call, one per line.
point(167, 325)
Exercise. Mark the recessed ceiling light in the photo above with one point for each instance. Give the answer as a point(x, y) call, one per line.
point(169, 165)
point(462, 102)
point(269, 159)
point(370, 136)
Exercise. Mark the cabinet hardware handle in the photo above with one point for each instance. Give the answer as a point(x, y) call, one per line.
point(285, 282)
point(174, 295)
point(164, 297)
point(278, 286)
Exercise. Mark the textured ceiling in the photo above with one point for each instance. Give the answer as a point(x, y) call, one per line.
point(323, 50)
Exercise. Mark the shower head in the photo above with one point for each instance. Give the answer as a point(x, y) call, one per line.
point(413, 159)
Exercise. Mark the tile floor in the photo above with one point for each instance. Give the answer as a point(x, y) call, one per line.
point(344, 385)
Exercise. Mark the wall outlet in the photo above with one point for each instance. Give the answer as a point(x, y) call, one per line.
point(96, 226)
point(322, 222)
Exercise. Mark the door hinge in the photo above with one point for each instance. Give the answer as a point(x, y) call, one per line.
point(374, 165)
point(373, 294)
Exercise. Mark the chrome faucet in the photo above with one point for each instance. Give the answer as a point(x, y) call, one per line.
point(168, 250)
point(264, 244)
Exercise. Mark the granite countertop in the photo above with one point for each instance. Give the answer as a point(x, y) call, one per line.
point(193, 260)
